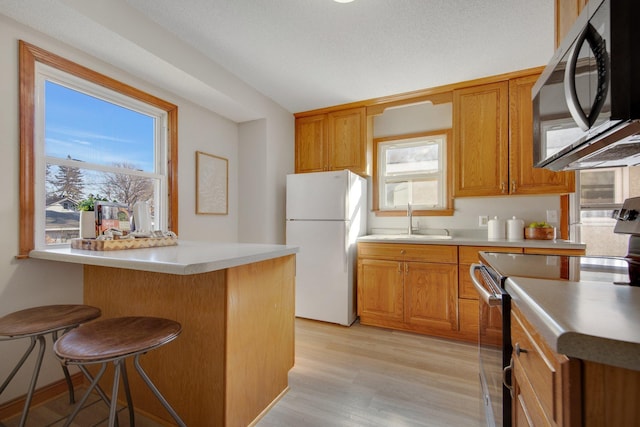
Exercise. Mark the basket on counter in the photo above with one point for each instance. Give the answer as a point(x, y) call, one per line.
point(540, 233)
point(120, 244)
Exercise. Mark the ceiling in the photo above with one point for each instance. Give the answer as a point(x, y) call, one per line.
point(302, 54)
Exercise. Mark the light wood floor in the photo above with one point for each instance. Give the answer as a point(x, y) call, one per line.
point(358, 376)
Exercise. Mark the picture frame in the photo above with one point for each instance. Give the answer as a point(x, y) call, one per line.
point(212, 184)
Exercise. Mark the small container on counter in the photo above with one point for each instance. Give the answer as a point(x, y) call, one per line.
point(515, 229)
point(496, 229)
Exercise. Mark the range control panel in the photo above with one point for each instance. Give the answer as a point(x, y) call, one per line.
point(628, 217)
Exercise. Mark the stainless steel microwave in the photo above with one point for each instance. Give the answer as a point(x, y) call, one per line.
point(586, 103)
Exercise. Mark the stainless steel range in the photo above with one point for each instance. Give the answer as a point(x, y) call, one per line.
point(495, 303)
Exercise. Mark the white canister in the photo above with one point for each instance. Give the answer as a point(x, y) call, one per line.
point(515, 229)
point(496, 228)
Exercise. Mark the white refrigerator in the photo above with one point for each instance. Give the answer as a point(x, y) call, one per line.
point(326, 212)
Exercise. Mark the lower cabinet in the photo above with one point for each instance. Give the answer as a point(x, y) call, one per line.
point(541, 379)
point(551, 389)
point(398, 292)
point(426, 288)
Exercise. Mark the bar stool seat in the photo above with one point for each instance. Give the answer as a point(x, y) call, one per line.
point(115, 340)
point(35, 323)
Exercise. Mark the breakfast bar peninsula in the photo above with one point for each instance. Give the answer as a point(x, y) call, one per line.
point(236, 305)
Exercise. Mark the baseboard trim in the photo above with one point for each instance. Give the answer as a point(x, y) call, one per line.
point(14, 407)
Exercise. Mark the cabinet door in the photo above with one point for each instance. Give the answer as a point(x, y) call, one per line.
point(567, 12)
point(348, 140)
point(481, 140)
point(431, 295)
point(524, 178)
point(311, 144)
point(380, 293)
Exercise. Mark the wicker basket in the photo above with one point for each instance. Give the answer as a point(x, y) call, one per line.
point(540, 233)
point(116, 245)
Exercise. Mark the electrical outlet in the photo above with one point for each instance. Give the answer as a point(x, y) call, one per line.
point(552, 216)
point(483, 220)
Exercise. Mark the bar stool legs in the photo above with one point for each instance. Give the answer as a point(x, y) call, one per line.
point(115, 340)
point(34, 376)
point(35, 323)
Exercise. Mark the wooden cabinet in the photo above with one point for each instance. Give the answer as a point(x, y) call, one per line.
point(567, 12)
point(381, 290)
point(333, 141)
point(468, 297)
point(493, 142)
point(523, 177)
point(550, 389)
point(408, 287)
point(426, 288)
point(542, 380)
point(481, 140)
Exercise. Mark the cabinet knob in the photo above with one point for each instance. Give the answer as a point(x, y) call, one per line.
point(520, 350)
point(513, 186)
point(402, 251)
point(503, 187)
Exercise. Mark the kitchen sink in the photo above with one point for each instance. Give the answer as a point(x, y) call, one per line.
point(411, 236)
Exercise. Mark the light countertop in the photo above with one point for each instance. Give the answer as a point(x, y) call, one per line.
point(470, 241)
point(187, 257)
point(590, 321)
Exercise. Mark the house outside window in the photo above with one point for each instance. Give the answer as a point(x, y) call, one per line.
point(85, 135)
point(599, 193)
point(412, 170)
point(96, 143)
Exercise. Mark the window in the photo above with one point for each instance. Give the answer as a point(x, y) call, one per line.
point(413, 169)
point(600, 191)
point(84, 134)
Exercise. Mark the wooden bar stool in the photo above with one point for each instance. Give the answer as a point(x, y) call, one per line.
point(35, 323)
point(114, 340)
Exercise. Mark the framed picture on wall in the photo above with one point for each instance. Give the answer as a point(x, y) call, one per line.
point(212, 184)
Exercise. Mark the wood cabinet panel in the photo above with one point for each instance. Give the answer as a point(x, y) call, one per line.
point(481, 140)
point(348, 140)
point(567, 12)
point(333, 141)
point(551, 251)
point(468, 318)
point(469, 255)
point(431, 295)
point(523, 177)
point(380, 289)
point(311, 144)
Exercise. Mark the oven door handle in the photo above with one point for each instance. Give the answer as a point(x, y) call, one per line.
point(491, 299)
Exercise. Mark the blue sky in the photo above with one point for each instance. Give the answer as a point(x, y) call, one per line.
point(95, 131)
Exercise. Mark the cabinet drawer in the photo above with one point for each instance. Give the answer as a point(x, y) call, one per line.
point(422, 253)
point(537, 368)
point(431, 253)
point(380, 251)
point(469, 254)
point(528, 411)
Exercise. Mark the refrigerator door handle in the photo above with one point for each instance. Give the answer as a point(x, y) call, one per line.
point(345, 251)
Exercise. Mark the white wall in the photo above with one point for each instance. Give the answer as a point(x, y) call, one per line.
point(261, 150)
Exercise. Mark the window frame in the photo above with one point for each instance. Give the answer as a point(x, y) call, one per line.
point(29, 55)
point(377, 178)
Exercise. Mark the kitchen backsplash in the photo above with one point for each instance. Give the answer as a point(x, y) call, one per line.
point(465, 219)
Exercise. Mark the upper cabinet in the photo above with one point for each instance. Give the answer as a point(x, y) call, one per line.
point(333, 141)
point(481, 140)
point(524, 178)
point(493, 142)
point(567, 12)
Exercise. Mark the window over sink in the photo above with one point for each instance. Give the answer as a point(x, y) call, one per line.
point(413, 169)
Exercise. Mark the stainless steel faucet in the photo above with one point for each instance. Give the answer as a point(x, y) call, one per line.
point(410, 215)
